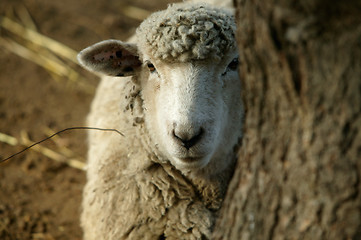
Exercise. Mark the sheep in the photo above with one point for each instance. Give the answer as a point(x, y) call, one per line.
point(175, 95)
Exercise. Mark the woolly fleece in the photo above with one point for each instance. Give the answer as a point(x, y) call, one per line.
point(188, 32)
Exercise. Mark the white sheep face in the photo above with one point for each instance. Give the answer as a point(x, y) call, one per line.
point(192, 109)
point(188, 108)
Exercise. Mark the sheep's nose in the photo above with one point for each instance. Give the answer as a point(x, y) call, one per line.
point(187, 139)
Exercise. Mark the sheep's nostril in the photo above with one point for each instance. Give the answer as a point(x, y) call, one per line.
point(186, 140)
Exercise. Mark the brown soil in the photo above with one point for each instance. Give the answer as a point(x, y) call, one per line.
point(40, 198)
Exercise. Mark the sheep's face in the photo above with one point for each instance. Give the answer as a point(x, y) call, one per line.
point(192, 109)
point(186, 67)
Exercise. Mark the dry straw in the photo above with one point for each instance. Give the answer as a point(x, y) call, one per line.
point(53, 56)
point(66, 157)
point(22, 38)
point(58, 59)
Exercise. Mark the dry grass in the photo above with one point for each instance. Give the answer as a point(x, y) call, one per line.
point(62, 154)
point(135, 12)
point(59, 60)
point(20, 36)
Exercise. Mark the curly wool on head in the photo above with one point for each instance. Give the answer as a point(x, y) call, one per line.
point(188, 32)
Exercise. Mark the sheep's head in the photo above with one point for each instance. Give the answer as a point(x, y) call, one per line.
point(185, 62)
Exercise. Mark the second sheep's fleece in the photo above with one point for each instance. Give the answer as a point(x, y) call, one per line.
point(175, 95)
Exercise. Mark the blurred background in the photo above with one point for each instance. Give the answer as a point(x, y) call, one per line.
point(42, 91)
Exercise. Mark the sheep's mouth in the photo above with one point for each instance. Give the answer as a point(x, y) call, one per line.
point(191, 162)
point(191, 159)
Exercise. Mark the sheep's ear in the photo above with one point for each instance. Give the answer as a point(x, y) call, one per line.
point(111, 57)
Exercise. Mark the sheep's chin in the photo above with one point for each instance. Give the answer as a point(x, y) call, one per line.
point(190, 163)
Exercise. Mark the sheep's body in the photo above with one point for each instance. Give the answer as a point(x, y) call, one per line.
point(133, 190)
point(157, 197)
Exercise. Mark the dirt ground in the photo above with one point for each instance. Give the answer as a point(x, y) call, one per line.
point(39, 197)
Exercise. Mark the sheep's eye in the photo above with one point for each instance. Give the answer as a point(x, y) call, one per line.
point(151, 67)
point(234, 64)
